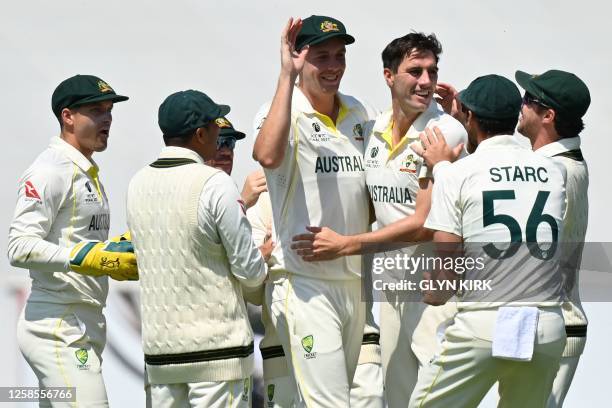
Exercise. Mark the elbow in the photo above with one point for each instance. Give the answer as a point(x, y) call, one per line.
point(14, 257)
point(426, 233)
point(267, 158)
point(268, 162)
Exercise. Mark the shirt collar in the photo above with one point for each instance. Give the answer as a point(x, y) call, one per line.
point(560, 146)
point(303, 104)
point(180, 152)
point(384, 120)
point(497, 141)
point(85, 164)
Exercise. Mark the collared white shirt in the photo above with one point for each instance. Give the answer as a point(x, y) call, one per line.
point(576, 216)
point(321, 182)
point(500, 191)
point(61, 202)
point(393, 172)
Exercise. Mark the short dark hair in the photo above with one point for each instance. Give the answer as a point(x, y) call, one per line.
point(395, 52)
point(568, 127)
point(179, 140)
point(564, 126)
point(494, 127)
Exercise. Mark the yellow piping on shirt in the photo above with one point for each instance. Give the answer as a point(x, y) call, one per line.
point(292, 183)
point(74, 205)
point(342, 113)
point(93, 173)
point(387, 136)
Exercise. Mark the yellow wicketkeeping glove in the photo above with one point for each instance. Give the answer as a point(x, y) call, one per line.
point(114, 258)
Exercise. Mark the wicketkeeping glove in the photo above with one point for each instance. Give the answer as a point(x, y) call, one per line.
point(114, 258)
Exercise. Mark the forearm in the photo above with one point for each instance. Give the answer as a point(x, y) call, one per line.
point(32, 252)
point(407, 229)
point(272, 139)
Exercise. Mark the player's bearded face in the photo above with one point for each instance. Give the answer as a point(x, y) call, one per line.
point(91, 126)
point(529, 121)
point(414, 83)
point(324, 67)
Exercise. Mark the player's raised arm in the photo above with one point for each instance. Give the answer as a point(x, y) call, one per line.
point(271, 142)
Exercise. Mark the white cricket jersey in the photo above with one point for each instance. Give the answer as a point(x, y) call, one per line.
point(567, 153)
point(393, 172)
point(320, 182)
point(61, 202)
point(504, 192)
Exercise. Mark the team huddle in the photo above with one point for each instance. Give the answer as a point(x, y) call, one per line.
point(436, 176)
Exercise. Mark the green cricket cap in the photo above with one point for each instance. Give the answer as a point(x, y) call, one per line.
point(492, 97)
point(183, 112)
point(562, 91)
point(82, 90)
point(226, 129)
point(317, 29)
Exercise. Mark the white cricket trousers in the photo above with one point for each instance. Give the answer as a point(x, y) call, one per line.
point(217, 394)
point(366, 392)
point(563, 380)
point(320, 325)
point(408, 341)
point(465, 370)
point(63, 344)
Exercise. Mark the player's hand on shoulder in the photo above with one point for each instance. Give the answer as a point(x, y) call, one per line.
point(434, 149)
point(319, 244)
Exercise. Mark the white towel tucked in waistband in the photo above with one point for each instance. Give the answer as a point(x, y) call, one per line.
point(514, 334)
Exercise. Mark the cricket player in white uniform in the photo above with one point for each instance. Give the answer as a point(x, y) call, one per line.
point(60, 222)
point(399, 186)
point(195, 249)
point(311, 147)
point(551, 117)
point(503, 193)
point(279, 388)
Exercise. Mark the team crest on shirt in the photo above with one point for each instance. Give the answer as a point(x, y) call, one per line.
point(409, 164)
point(270, 394)
point(308, 345)
point(82, 356)
point(318, 136)
point(30, 192)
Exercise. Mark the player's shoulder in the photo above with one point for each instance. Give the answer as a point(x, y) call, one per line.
point(50, 165)
point(354, 103)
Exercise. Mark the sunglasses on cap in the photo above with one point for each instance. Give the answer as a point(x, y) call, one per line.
point(229, 142)
point(529, 99)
